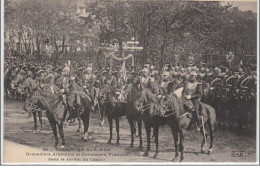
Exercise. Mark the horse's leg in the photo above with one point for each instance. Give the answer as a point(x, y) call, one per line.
point(139, 123)
point(131, 123)
point(40, 118)
point(176, 138)
point(211, 133)
point(54, 128)
point(117, 130)
point(110, 121)
point(85, 118)
point(204, 140)
point(35, 122)
point(78, 117)
point(102, 118)
point(60, 126)
point(135, 131)
point(148, 134)
point(156, 140)
point(181, 147)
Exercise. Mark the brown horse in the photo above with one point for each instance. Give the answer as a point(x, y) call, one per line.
point(111, 108)
point(182, 121)
point(29, 85)
point(55, 111)
point(170, 110)
point(130, 94)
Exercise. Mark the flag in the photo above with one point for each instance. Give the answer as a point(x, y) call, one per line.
point(123, 71)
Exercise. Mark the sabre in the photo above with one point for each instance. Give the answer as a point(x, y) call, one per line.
point(203, 128)
point(99, 109)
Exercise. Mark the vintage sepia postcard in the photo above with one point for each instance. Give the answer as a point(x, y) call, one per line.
point(146, 82)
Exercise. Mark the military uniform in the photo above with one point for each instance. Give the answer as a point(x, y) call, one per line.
point(194, 90)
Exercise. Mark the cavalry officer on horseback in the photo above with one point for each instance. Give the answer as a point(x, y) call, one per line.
point(193, 91)
point(145, 76)
point(65, 90)
point(48, 81)
point(166, 78)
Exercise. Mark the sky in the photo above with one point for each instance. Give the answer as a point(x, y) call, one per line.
point(244, 6)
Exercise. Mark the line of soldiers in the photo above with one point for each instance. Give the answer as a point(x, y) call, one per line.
point(62, 79)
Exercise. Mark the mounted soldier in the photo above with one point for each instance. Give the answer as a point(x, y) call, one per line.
point(48, 81)
point(166, 78)
point(144, 76)
point(193, 91)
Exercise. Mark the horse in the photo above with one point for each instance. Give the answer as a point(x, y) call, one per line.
point(29, 85)
point(182, 120)
point(242, 110)
point(55, 111)
point(227, 105)
point(148, 106)
point(8, 78)
point(111, 108)
point(129, 94)
point(16, 86)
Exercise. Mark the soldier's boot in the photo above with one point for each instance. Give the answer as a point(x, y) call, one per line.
point(197, 120)
point(70, 109)
point(197, 123)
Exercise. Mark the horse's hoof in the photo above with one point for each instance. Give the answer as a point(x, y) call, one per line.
point(62, 146)
point(131, 146)
point(140, 147)
point(175, 159)
point(109, 141)
point(155, 155)
point(146, 154)
point(202, 150)
point(210, 151)
point(56, 145)
point(117, 143)
point(81, 130)
point(34, 131)
point(85, 140)
point(181, 159)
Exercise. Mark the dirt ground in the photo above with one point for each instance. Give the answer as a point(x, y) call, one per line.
point(229, 145)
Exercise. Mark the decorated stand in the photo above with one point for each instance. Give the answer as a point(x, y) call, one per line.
point(129, 46)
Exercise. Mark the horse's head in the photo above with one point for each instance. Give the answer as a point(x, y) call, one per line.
point(104, 92)
point(205, 88)
point(225, 94)
point(123, 95)
point(166, 102)
point(29, 84)
point(138, 98)
point(170, 104)
point(31, 101)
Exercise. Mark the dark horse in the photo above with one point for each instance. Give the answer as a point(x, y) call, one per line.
point(170, 110)
point(111, 108)
point(29, 85)
point(55, 111)
point(182, 121)
point(130, 94)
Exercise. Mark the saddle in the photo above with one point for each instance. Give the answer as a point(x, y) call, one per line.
point(188, 105)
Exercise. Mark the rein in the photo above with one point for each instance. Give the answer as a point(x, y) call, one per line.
point(174, 110)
